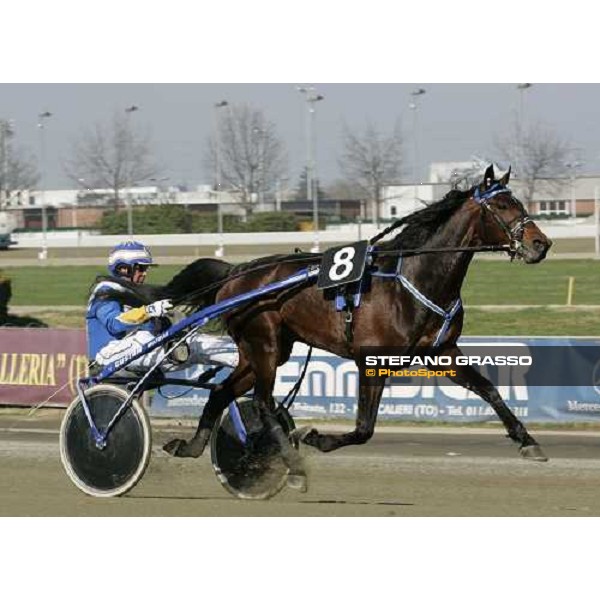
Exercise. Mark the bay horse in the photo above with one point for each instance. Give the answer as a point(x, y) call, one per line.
point(399, 309)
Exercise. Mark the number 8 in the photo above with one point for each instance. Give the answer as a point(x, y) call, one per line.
point(342, 259)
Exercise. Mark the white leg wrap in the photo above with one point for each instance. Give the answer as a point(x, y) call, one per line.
point(212, 350)
point(132, 343)
point(204, 349)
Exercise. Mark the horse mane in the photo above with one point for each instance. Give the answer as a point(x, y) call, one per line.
point(421, 225)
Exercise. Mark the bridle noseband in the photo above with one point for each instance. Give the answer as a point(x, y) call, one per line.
point(514, 233)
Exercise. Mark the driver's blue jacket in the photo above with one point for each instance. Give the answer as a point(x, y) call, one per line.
point(108, 320)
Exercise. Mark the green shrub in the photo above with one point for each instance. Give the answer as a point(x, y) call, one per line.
point(165, 218)
point(272, 221)
point(170, 218)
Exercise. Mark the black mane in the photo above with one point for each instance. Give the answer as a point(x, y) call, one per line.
point(422, 224)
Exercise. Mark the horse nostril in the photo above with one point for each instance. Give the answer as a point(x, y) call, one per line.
point(541, 244)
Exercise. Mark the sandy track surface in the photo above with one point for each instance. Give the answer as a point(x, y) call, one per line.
point(401, 472)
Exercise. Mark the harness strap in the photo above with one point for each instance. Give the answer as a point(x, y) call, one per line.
point(447, 322)
point(349, 318)
point(446, 315)
point(347, 301)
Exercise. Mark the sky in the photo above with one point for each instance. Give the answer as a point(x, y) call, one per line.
point(454, 121)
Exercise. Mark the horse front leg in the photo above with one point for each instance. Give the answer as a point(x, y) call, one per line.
point(366, 416)
point(469, 378)
point(238, 383)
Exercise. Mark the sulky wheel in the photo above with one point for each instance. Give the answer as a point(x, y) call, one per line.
point(253, 470)
point(115, 469)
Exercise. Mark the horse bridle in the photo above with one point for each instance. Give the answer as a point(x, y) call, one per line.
point(514, 232)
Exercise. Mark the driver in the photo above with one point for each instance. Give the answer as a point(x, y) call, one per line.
point(115, 329)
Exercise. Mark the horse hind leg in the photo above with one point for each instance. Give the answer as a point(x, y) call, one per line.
point(266, 350)
point(238, 383)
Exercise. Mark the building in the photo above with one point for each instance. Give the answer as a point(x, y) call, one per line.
point(552, 198)
point(83, 208)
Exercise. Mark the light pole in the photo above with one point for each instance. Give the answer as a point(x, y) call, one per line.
point(160, 192)
point(6, 131)
point(83, 186)
point(522, 87)
point(280, 192)
point(596, 224)
point(218, 105)
point(220, 251)
point(128, 172)
point(414, 106)
point(311, 182)
point(573, 166)
point(361, 215)
point(42, 117)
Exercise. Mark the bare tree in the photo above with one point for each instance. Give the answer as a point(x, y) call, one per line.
point(343, 189)
point(18, 172)
point(466, 176)
point(370, 159)
point(248, 152)
point(535, 152)
point(113, 155)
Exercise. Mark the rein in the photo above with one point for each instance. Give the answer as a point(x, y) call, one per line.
point(218, 284)
point(317, 258)
point(415, 251)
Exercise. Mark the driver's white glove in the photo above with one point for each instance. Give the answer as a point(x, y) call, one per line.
point(159, 308)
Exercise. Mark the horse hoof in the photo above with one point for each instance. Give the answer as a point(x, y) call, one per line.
point(298, 482)
point(533, 452)
point(173, 447)
point(298, 435)
point(309, 436)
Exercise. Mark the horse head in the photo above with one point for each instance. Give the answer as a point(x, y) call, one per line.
point(504, 220)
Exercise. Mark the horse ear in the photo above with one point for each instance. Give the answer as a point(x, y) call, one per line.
point(488, 177)
point(506, 177)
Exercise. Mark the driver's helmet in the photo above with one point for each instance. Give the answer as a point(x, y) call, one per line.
point(128, 254)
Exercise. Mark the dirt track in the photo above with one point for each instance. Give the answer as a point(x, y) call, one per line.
point(401, 472)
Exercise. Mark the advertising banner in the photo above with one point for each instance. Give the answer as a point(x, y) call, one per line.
point(40, 364)
point(330, 389)
point(561, 382)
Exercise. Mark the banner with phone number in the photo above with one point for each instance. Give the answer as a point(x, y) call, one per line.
point(330, 388)
point(42, 365)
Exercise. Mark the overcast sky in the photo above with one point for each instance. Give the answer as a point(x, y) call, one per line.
point(455, 121)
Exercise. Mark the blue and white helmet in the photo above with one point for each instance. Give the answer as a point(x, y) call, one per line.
point(129, 254)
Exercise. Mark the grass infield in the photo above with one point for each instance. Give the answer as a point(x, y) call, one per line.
point(488, 283)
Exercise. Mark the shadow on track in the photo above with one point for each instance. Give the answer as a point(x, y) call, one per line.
point(225, 498)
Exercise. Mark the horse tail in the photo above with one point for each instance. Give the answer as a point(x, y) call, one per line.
point(197, 284)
